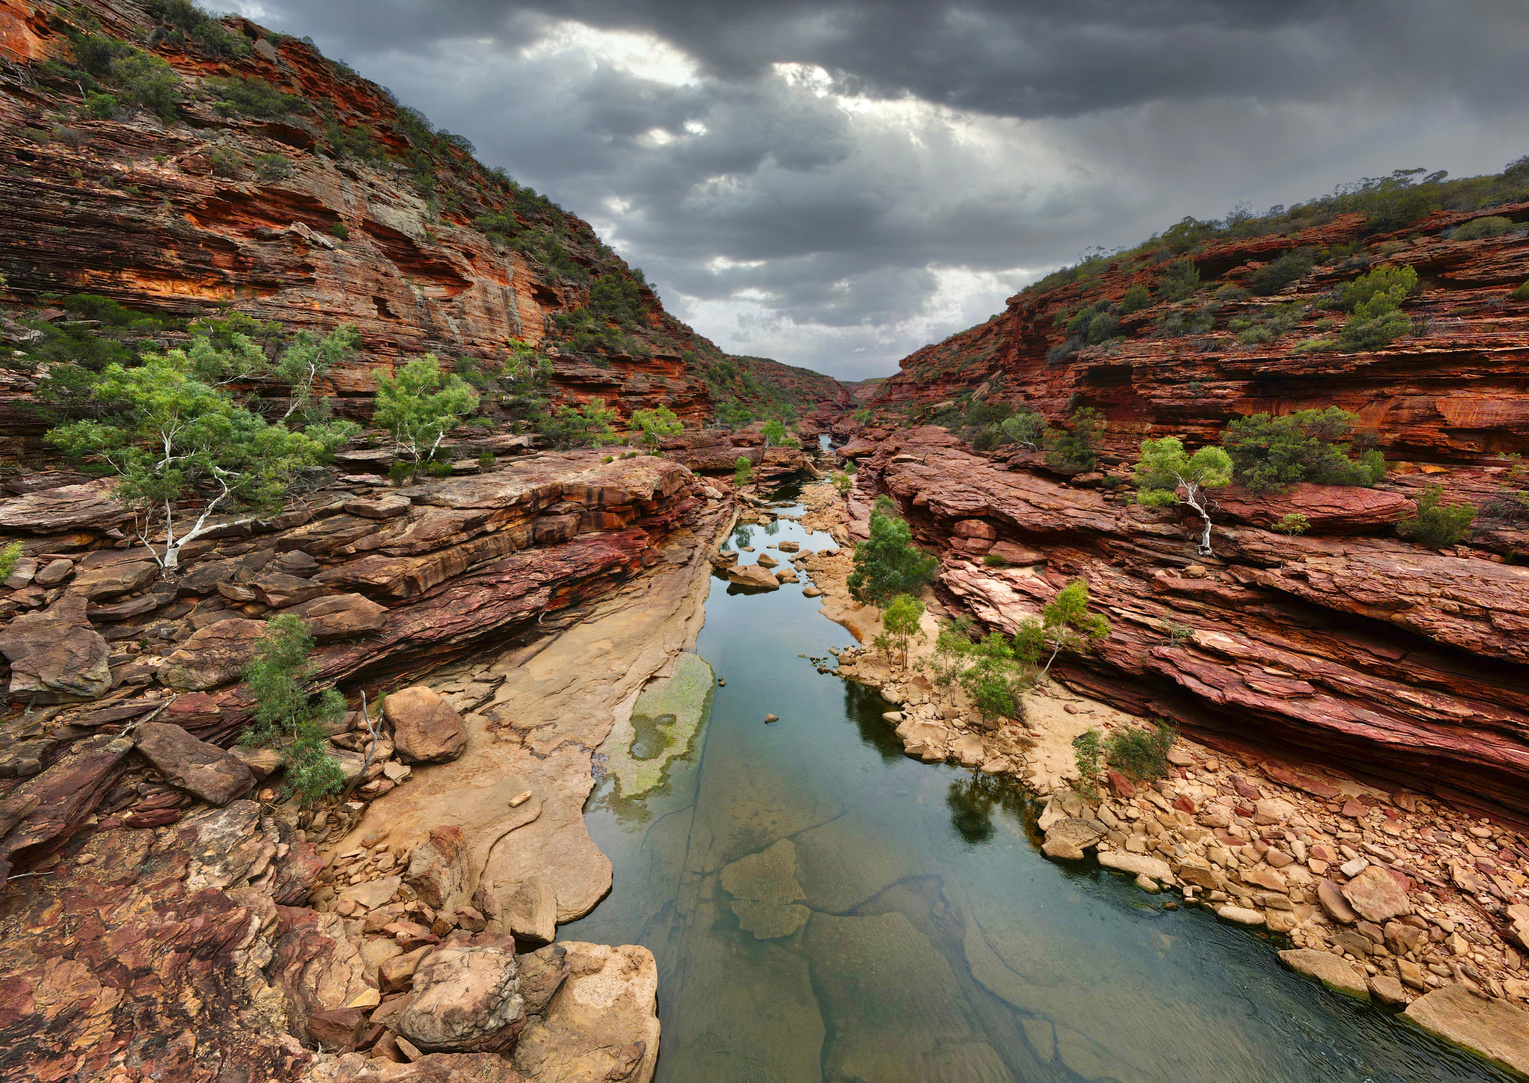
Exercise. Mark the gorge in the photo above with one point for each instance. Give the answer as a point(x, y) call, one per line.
point(607, 775)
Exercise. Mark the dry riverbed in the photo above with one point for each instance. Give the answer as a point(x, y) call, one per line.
point(1379, 894)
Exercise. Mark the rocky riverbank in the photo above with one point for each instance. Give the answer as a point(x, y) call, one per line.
point(170, 915)
point(1377, 891)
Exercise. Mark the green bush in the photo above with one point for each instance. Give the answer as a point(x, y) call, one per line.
point(1269, 453)
point(743, 472)
point(273, 167)
point(340, 231)
point(1136, 298)
point(1478, 229)
point(1076, 450)
point(288, 715)
point(901, 621)
point(993, 560)
point(10, 556)
point(1088, 753)
point(1180, 280)
point(1521, 293)
point(252, 97)
point(101, 106)
point(1025, 428)
point(225, 164)
point(1268, 324)
point(1435, 524)
point(1375, 300)
point(147, 81)
point(1279, 273)
point(1292, 523)
point(1141, 754)
point(888, 563)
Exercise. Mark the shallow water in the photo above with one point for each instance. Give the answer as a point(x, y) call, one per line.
point(824, 908)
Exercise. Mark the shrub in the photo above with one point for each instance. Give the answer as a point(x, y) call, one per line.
point(340, 230)
point(252, 97)
point(487, 460)
point(1088, 753)
point(1076, 450)
point(590, 424)
point(287, 714)
point(1279, 273)
point(101, 106)
point(1478, 229)
point(273, 167)
point(147, 81)
point(225, 163)
point(1308, 445)
point(1375, 300)
point(743, 473)
point(10, 556)
point(1292, 523)
point(1025, 428)
point(656, 424)
point(1180, 280)
point(1521, 293)
point(841, 482)
point(774, 433)
point(1435, 524)
point(1136, 298)
point(1268, 325)
point(988, 669)
point(1141, 754)
point(993, 560)
point(888, 563)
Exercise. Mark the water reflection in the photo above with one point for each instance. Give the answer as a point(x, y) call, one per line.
point(823, 908)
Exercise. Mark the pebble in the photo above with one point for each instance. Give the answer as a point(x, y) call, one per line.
point(520, 799)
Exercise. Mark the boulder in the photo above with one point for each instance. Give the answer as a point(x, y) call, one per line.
point(55, 656)
point(337, 1029)
point(1329, 509)
point(215, 655)
point(1333, 971)
point(602, 1025)
point(1493, 1029)
point(1240, 915)
point(426, 729)
point(340, 616)
point(1330, 895)
point(1376, 896)
point(752, 577)
point(113, 577)
point(193, 765)
point(1069, 837)
point(389, 506)
point(1136, 864)
point(466, 998)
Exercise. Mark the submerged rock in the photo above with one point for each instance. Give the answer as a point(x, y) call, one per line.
point(1334, 971)
point(1493, 1029)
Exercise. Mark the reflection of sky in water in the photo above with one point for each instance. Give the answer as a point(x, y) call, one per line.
point(907, 929)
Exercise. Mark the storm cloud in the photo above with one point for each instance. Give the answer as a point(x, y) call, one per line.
point(835, 184)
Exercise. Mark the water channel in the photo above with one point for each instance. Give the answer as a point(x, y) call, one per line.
point(824, 908)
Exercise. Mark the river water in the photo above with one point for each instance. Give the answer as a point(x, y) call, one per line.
point(824, 908)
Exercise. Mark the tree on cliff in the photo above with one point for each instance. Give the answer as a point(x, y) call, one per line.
point(774, 433)
point(1167, 474)
point(887, 563)
point(655, 425)
point(421, 404)
point(171, 437)
point(1065, 625)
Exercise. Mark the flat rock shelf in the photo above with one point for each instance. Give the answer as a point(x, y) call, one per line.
point(823, 907)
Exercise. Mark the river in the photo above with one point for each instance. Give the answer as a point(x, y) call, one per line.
point(824, 908)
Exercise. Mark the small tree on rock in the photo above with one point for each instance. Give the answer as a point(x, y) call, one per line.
point(743, 473)
point(1065, 625)
point(173, 438)
point(288, 715)
point(1167, 474)
point(656, 424)
point(420, 405)
point(901, 621)
point(888, 563)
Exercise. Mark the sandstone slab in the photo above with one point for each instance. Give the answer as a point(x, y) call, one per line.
point(1333, 971)
point(193, 765)
point(1376, 896)
point(1493, 1029)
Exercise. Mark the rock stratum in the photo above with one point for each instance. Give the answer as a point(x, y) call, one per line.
point(1347, 643)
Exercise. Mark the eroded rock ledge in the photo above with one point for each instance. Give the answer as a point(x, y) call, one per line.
point(154, 937)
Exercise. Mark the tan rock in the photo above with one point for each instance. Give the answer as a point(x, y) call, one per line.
point(602, 1025)
point(528, 912)
point(466, 998)
point(1493, 1029)
point(426, 729)
point(215, 655)
point(1376, 896)
point(1335, 972)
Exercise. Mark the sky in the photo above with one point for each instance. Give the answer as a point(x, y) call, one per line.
point(836, 183)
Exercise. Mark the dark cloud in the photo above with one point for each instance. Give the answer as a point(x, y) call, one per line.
point(836, 183)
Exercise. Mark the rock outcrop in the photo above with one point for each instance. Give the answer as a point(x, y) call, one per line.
point(1375, 652)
